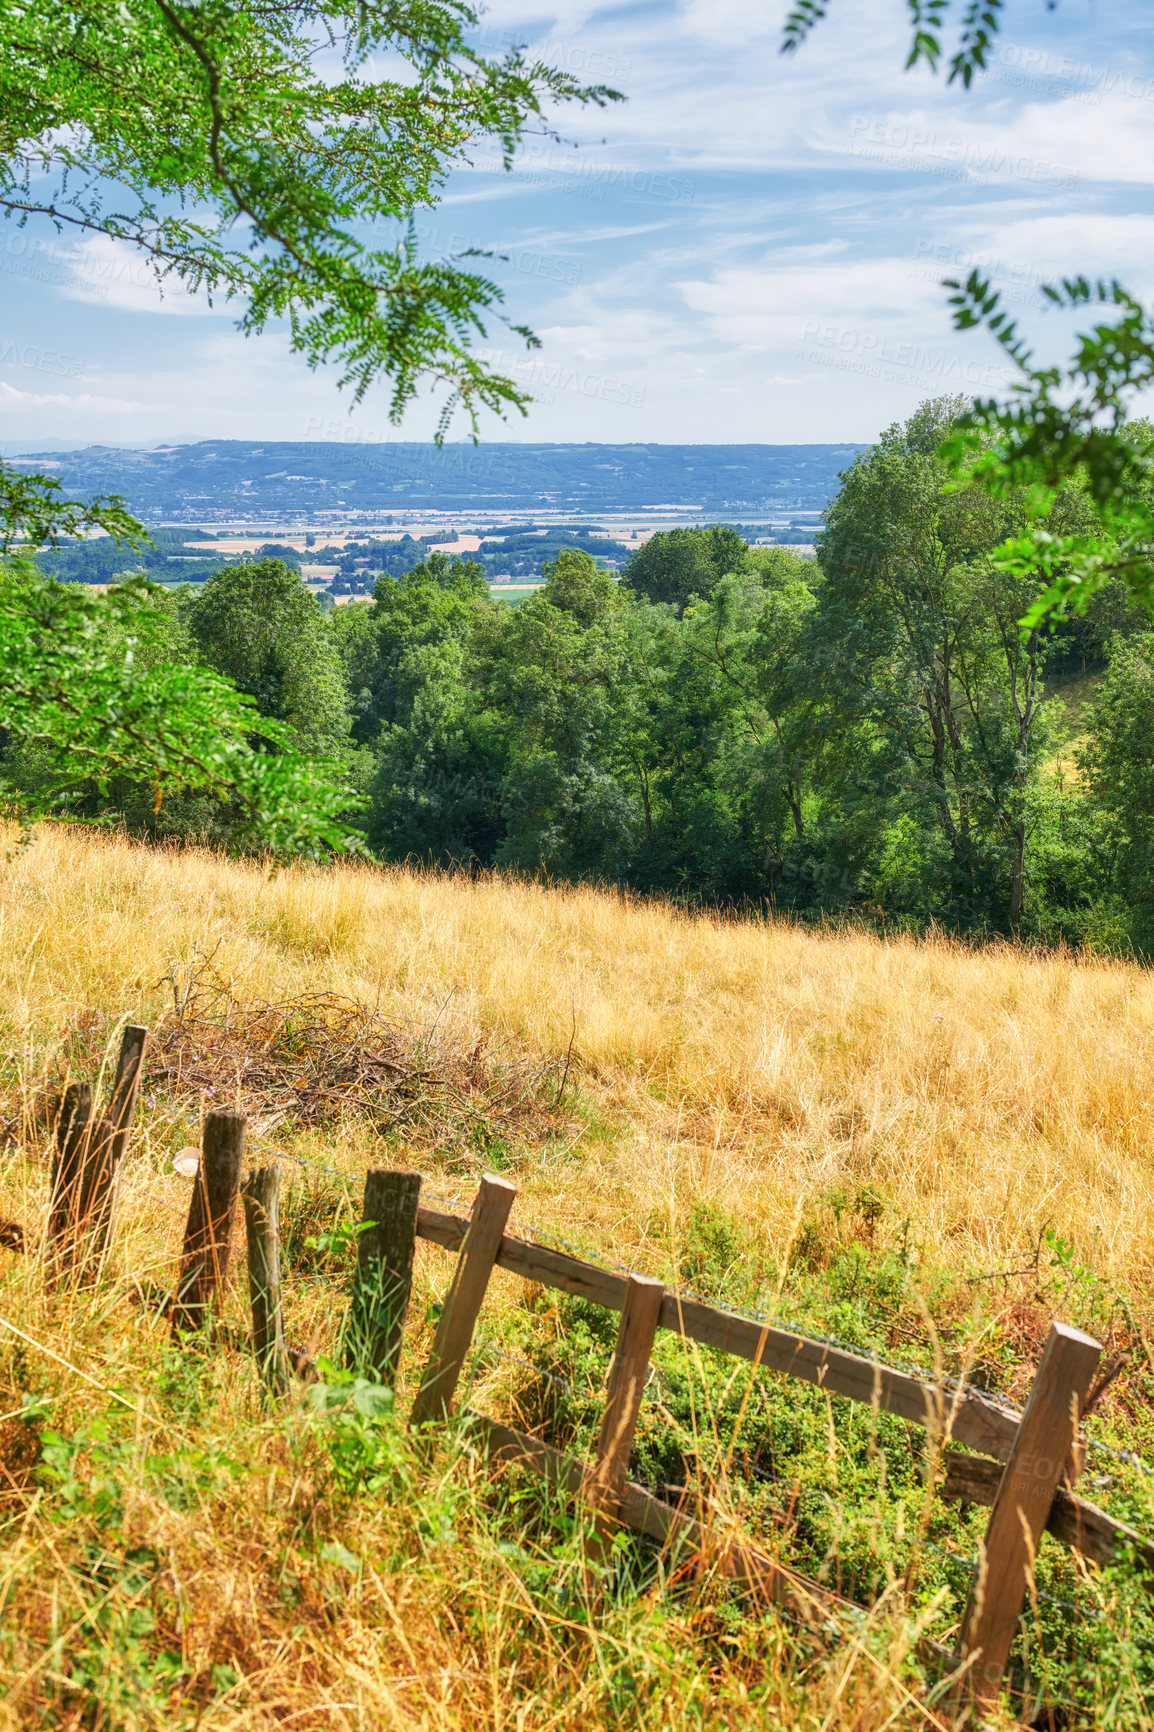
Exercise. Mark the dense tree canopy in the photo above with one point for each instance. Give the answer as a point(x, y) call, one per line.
point(869, 733)
point(258, 625)
point(243, 150)
point(105, 712)
point(677, 564)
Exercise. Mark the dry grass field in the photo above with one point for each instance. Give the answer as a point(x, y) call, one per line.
point(175, 1555)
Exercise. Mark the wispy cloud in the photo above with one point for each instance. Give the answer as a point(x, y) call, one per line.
point(84, 402)
point(750, 248)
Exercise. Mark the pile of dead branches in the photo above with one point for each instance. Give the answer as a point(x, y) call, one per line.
point(321, 1057)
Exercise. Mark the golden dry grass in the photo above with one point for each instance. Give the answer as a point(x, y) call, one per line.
point(983, 1094)
point(987, 1093)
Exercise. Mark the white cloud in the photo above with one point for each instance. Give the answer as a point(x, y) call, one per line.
point(762, 306)
point(77, 401)
point(113, 274)
point(753, 245)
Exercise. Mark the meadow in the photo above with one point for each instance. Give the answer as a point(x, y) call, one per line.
point(926, 1148)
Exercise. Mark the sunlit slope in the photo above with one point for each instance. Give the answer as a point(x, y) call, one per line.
point(986, 1094)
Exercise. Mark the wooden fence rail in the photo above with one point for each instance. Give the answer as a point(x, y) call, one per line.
point(968, 1415)
point(1024, 1467)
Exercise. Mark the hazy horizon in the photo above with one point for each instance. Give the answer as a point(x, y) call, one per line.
point(748, 250)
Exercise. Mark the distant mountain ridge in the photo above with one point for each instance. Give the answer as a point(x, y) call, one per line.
point(227, 478)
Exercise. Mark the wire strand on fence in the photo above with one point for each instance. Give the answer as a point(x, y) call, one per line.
point(548, 1238)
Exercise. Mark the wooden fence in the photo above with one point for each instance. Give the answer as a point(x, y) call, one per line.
point(1024, 1465)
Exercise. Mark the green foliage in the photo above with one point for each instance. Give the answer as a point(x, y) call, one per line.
point(870, 734)
point(1118, 760)
point(1062, 427)
point(211, 138)
point(526, 552)
point(979, 25)
point(867, 735)
point(74, 695)
point(365, 1449)
point(928, 672)
point(259, 626)
point(676, 564)
point(34, 510)
point(576, 584)
point(102, 559)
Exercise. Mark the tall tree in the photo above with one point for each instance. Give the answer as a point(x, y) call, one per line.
point(677, 564)
point(918, 637)
point(438, 601)
point(258, 625)
point(556, 674)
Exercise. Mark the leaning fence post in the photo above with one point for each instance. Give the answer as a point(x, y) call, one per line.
point(87, 1162)
point(384, 1277)
point(260, 1192)
point(208, 1234)
point(1032, 1474)
point(628, 1373)
point(121, 1107)
point(459, 1317)
point(100, 1181)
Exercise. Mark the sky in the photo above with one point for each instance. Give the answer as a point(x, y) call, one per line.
point(751, 247)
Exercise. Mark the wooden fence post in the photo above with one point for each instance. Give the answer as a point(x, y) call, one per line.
point(384, 1276)
point(208, 1234)
point(260, 1193)
point(100, 1183)
point(87, 1164)
point(459, 1317)
point(1032, 1474)
point(628, 1373)
point(73, 1129)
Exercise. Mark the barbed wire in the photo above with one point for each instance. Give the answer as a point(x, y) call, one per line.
point(1097, 1446)
point(489, 1349)
point(775, 1320)
point(547, 1238)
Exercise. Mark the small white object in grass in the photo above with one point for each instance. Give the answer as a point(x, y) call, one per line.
point(187, 1163)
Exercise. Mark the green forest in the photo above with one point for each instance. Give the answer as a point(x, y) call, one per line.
point(869, 734)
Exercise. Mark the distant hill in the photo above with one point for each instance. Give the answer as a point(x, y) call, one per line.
point(229, 478)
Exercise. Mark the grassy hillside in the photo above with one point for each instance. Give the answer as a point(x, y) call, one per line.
point(925, 1150)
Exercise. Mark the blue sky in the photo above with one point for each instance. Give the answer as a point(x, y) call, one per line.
point(750, 248)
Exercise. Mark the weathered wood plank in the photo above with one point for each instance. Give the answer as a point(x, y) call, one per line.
point(1072, 1519)
point(1021, 1509)
point(628, 1373)
point(125, 1086)
point(964, 1414)
point(260, 1192)
point(458, 1319)
point(208, 1232)
point(73, 1137)
point(384, 1276)
point(100, 1189)
point(87, 1164)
